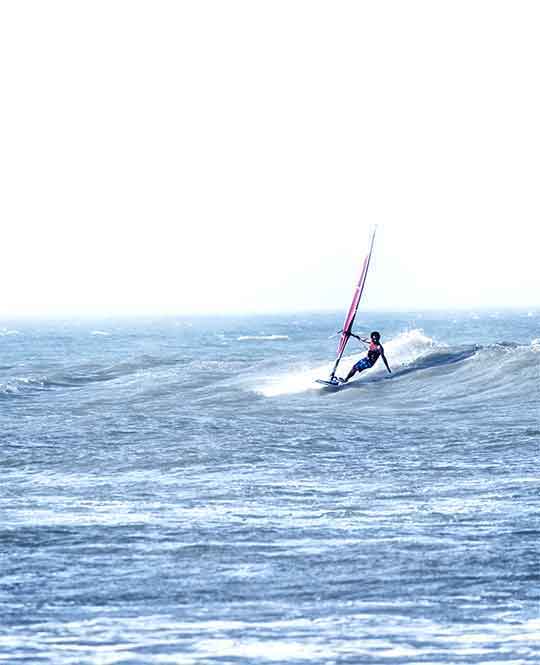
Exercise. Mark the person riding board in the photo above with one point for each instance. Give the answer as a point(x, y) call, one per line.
point(374, 352)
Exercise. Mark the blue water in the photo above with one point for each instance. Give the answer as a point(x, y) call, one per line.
point(181, 491)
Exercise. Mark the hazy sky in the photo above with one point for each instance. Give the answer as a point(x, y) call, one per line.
point(230, 155)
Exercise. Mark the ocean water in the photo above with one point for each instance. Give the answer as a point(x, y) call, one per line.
point(180, 491)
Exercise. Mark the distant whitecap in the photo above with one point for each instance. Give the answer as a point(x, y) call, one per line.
point(258, 338)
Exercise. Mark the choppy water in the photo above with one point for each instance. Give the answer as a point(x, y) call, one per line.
point(180, 491)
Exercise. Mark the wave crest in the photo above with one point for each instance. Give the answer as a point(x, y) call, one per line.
point(494, 368)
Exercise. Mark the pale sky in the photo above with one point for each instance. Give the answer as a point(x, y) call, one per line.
point(230, 155)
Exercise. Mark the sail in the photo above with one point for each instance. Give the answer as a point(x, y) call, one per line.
point(351, 314)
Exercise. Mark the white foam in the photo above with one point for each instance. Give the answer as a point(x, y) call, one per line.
point(402, 350)
point(99, 332)
point(257, 338)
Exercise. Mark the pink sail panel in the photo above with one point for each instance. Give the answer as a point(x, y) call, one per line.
point(351, 314)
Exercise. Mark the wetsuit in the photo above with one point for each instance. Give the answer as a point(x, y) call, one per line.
point(374, 352)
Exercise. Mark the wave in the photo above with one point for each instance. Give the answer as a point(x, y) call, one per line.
point(501, 370)
point(5, 332)
point(474, 369)
point(17, 385)
point(88, 374)
point(259, 338)
point(405, 348)
point(85, 374)
point(418, 362)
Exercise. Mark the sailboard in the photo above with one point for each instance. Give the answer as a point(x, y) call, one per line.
point(346, 331)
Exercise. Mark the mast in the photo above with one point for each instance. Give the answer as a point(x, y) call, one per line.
point(351, 314)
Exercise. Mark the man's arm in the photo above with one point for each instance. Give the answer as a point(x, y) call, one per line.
point(360, 339)
point(385, 362)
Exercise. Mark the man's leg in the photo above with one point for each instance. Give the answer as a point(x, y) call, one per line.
point(359, 367)
point(350, 374)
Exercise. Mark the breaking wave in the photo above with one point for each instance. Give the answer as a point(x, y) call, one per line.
point(413, 353)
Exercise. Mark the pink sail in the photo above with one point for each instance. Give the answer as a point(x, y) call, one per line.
point(351, 314)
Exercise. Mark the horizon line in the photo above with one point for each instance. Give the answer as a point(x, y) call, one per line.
point(96, 315)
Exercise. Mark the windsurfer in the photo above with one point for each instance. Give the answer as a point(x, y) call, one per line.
point(375, 351)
